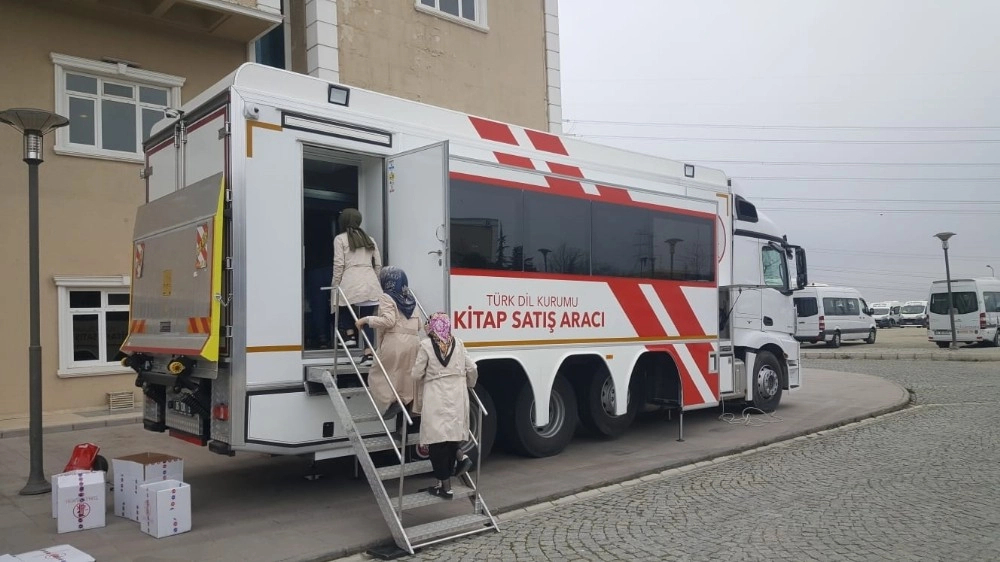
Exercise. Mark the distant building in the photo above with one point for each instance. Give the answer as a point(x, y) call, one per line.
point(113, 66)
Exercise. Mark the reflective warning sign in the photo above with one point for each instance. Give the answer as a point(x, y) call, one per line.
point(137, 260)
point(201, 259)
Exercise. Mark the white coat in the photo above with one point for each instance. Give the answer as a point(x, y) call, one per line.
point(397, 342)
point(445, 410)
point(355, 272)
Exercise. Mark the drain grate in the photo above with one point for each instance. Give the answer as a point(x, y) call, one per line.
point(121, 401)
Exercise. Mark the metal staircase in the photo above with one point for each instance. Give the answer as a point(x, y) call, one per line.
point(398, 508)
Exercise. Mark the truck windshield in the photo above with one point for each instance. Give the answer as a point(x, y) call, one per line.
point(965, 302)
point(880, 311)
point(916, 308)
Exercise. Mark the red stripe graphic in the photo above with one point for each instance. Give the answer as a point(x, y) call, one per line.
point(564, 170)
point(700, 353)
point(691, 396)
point(514, 160)
point(615, 195)
point(679, 309)
point(560, 186)
point(493, 131)
point(546, 142)
point(640, 314)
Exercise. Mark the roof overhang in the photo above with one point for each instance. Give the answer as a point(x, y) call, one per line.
point(237, 20)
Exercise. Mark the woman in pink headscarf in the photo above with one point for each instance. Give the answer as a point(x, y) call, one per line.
point(447, 372)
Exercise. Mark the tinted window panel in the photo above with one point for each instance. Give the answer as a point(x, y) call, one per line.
point(690, 241)
point(853, 308)
point(557, 234)
point(833, 306)
point(486, 227)
point(806, 307)
point(84, 299)
point(622, 241)
point(965, 303)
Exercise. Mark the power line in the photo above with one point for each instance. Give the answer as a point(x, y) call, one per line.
point(782, 127)
point(873, 164)
point(876, 272)
point(895, 254)
point(874, 210)
point(793, 141)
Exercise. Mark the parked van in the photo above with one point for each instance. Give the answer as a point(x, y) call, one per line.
point(886, 314)
point(977, 311)
point(913, 313)
point(832, 315)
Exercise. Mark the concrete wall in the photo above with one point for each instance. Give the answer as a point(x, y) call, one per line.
point(390, 46)
point(86, 205)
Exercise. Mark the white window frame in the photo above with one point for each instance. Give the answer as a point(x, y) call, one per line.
point(116, 72)
point(68, 367)
point(480, 23)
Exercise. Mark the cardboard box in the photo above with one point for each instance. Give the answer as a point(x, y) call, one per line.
point(167, 508)
point(55, 494)
point(132, 471)
point(63, 553)
point(80, 501)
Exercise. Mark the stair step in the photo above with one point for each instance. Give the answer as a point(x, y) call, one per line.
point(445, 527)
point(385, 443)
point(389, 472)
point(352, 392)
point(366, 418)
point(421, 499)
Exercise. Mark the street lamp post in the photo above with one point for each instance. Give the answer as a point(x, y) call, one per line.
point(944, 236)
point(673, 246)
point(545, 258)
point(34, 124)
point(992, 273)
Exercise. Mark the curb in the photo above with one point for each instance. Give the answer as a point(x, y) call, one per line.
point(904, 356)
point(61, 428)
point(516, 511)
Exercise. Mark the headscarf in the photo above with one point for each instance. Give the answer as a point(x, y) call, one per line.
point(350, 222)
point(395, 284)
point(439, 329)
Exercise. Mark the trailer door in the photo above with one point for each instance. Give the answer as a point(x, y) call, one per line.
point(417, 225)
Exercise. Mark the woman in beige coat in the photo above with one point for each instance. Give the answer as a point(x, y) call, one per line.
point(447, 373)
point(398, 339)
point(356, 263)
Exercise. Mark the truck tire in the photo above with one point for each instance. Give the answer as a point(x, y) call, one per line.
point(943, 344)
point(597, 406)
point(871, 336)
point(552, 438)
point(489, 434)
point(835, 342)
point(766, 382)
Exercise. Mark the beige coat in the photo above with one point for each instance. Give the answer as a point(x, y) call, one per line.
point(445, 410)
point(397, 342)
point(354, 272)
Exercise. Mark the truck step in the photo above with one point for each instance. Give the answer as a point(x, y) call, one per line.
point(394, 471)
point(447, 527)
point(421, 499)
point(385, 443)
point(361, 418)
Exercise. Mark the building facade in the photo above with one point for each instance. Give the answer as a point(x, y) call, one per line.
point(112, 67)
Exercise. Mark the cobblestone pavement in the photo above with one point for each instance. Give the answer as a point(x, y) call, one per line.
point(921, 484)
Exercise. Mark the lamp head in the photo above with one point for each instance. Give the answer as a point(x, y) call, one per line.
point(33, 124)
point(944, 236)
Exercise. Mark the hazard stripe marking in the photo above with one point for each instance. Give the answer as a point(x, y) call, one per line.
point(636, 308)
point(680, 310)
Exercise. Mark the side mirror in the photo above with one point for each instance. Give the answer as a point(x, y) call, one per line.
point(801, 270)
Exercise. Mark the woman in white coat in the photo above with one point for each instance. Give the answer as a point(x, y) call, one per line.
point(398, 340)
point(356, 263)
point(447, 372)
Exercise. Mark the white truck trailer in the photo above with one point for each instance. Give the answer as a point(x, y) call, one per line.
point(575, 273)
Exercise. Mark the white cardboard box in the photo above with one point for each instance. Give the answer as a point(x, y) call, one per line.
point(167, 508)
point(80, 501)
point(63, 552)
point(132, 471)
point(55, 492)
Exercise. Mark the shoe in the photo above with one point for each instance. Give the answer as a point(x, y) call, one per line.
point(368, 361)
point(463, 466)
point(392, 411)
point(440, 492)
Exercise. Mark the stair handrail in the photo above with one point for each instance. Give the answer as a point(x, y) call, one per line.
point(361, 333)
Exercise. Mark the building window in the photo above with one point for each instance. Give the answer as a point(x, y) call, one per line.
point(471, 12)
point(93, 324)
point(271, 49)
point(111, 106)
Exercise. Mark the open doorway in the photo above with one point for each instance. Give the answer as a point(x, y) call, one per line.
point(330, 185)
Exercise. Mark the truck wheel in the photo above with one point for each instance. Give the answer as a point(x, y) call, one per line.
point(871, 336)
point(551, 438)
point(489, 433)
point(835, 342)
point(996, 338)
point(766, 382)
point(942, 344)
point(597, 406)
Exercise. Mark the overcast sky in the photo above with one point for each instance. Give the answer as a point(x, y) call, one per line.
point(863, 122)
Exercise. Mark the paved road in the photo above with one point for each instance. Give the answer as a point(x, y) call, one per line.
point(921, 484)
